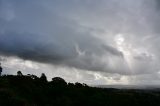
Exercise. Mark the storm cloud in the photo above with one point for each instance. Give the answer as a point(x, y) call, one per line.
point(112, 36)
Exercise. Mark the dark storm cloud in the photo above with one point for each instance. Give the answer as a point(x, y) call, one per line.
point(82, 34)
point(35, 33)
point(29, 47)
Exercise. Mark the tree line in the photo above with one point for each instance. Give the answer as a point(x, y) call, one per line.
point(30, 90)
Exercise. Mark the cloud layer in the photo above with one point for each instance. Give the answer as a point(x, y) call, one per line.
point(111, 36)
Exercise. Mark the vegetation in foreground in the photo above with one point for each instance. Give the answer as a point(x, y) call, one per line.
point(30, 90)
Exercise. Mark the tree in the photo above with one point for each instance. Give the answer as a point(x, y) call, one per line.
point(43, 77)
point(79, 85)
point(19, 73)
point(0, 69)
point(58, 81)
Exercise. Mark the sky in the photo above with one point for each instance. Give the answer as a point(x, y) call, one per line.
point(98, 42)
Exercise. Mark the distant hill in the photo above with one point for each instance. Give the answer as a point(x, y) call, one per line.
point(140, 87)
point(30, 90)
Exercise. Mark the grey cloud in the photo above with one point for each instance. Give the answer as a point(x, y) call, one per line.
point(53, 42)
point(51, 31)
point(113, 51)
point(29, 47)
point(144, 57)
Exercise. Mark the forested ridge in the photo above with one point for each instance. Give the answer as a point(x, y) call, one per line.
point(30, 90)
